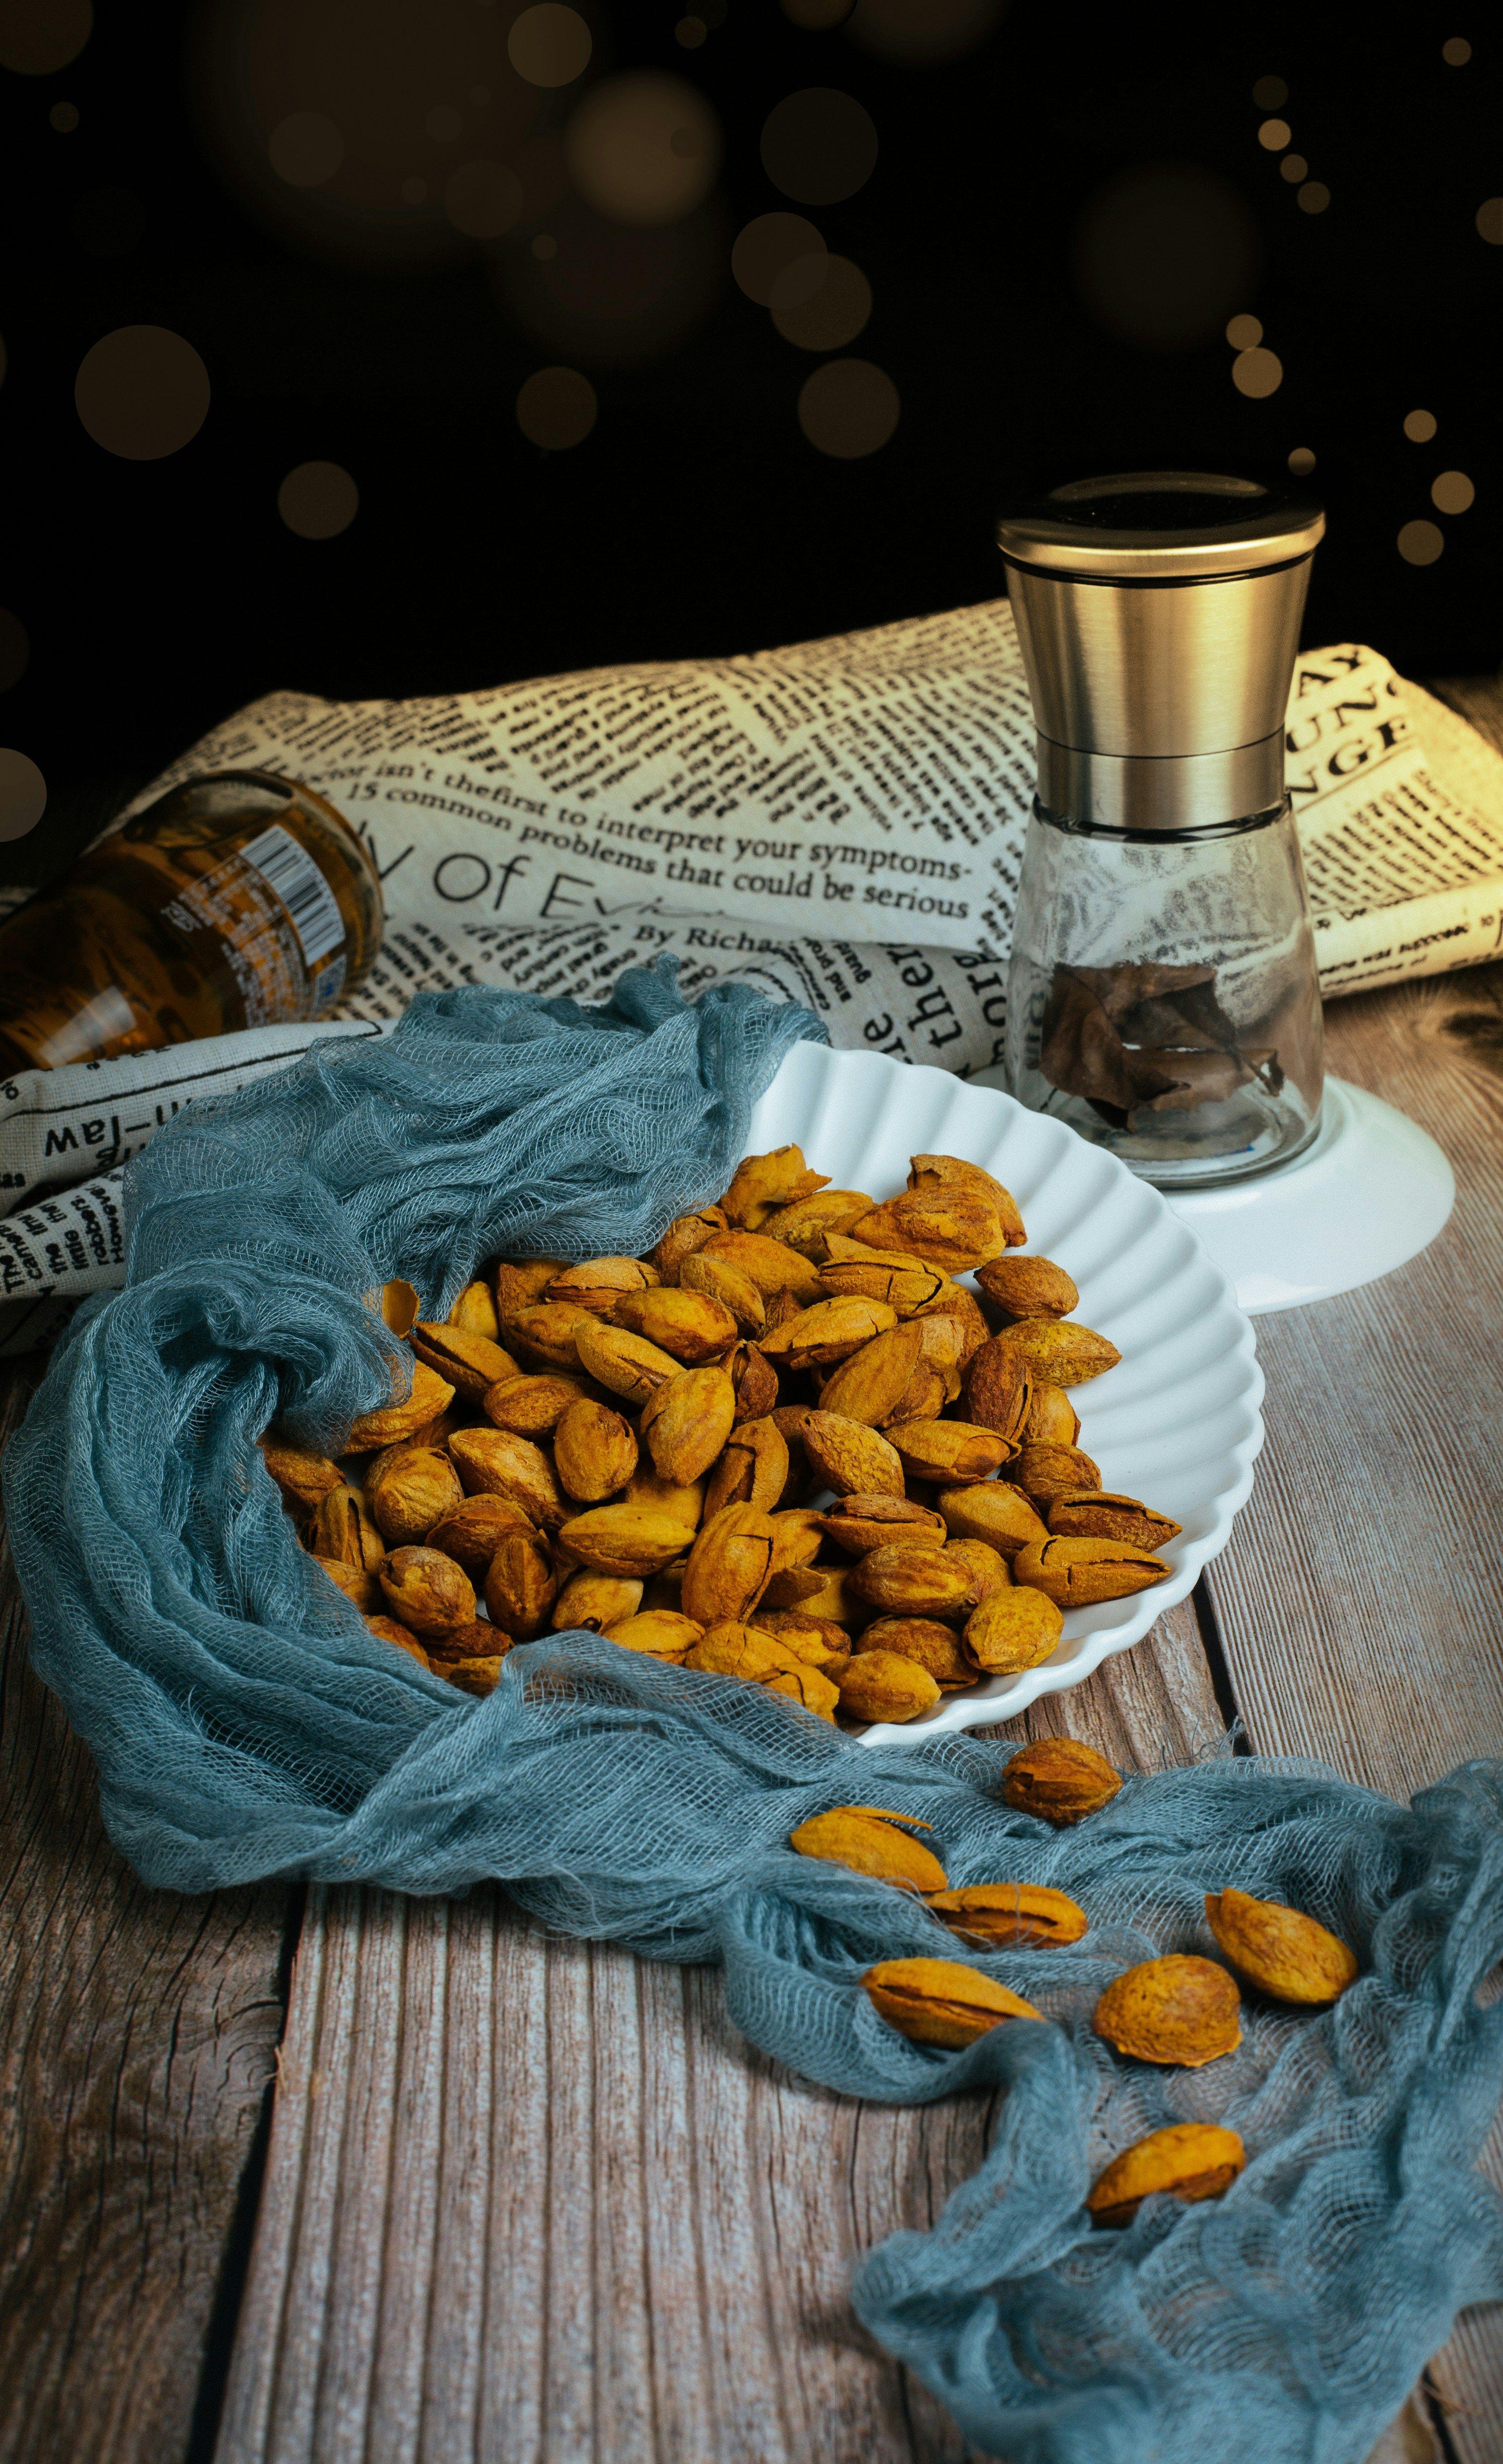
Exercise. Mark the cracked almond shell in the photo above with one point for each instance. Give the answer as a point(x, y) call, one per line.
point(1059, 1779)
point(691, 1325)
point(599, 1283)
point(869, 1841)
point(1106, 1514)
point(1180, 2010)
point(730, 1564)
point(948, 1452)
point(1029, 1286)
point(933, 1646)
point(1189, 2160)
point(532, 1403)
point(908, 1578)
point(508, 1466)
point(1061, 1351)
point(521, 1587)
point(684, 1237)
point(663, 1634)
point(469, 1362)
point(884, 1686)
point(409, 1490)
point(870, 1386)
point(752, 1470)
point(1285, 1953)
point(633, 1541)
point(1014, 1628)
point(851, 1457)
point(992, 1510)
point(473, 1528)
point(1006, 1916)
point(426, 1591)
point(595, 1602)
point(1076, 1572)
point(594, 1451)
point(940, 2001)
point(1044, 1471)
point(429, 1395)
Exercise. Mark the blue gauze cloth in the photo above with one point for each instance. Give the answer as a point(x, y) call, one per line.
point(245, 1724)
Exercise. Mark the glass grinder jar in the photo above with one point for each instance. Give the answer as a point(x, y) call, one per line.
point(1162, 995)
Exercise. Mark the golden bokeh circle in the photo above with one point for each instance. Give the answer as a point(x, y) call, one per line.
point(766, 246)
point(1271, 94)
point(64, 118)
point(1275, 135)
point(1456, 52)
point(643, 148)
point(1314, 197)
point(1421, 542)
point(549, 45)
point(849, 408)
point(1490, 221)
point(1243, 332)
point(141, 392)
point(23, 793)
point(556, 408)
point(482, 199)
point(16, 649)
point(1302, 461)
point(1292, 167)
point(305, 150)
point(819, 146)
point(318, 501)
point(1419, 426)
point(37, 38)
point(691, 32)
point(1258, 373)
point(821, 302)
point(1452, 491)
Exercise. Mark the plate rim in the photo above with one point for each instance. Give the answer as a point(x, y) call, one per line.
point(958, 1713)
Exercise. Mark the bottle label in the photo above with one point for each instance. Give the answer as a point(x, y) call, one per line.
point(278, 922)
point(302, 890)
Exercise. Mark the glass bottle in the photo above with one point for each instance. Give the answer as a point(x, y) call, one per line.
point(1162, 995)
point(237, 900)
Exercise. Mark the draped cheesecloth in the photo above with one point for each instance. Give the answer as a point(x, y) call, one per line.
point(245, 1724)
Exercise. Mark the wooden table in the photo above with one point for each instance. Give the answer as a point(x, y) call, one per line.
point(310, 2177)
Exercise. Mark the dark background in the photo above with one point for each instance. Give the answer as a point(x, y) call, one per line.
point(1039, 313)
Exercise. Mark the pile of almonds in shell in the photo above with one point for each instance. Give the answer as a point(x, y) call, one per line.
point(788, 1445)
point(1180, 2010)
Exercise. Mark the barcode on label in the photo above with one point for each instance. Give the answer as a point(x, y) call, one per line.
point(302, 890)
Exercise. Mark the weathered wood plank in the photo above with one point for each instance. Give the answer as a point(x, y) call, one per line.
point(137, 2039)
point(534, 2199)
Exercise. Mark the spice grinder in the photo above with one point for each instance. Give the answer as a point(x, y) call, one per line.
point(1162, 995)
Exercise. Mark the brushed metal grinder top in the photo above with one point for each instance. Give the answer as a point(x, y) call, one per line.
point(1159, 614)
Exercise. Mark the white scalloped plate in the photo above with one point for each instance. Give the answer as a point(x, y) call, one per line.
point(1177, 1420)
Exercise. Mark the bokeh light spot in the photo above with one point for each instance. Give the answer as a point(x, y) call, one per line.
point(819, 146)
point(1490, 221)
point(1243, 332)
point(443, 123)
point(544, 247)
point(556, 408)
point(1271, 94)
point(40, 36)
point(16, 649)
point(644, 148)
point(766, 247)
point(1163, 253)
point(1456, 52)
point(1258, 373)
point(849, 408)
point(1275, 135)
point(318, 501)
point(691, 32)
point(1453, 491)
point(821, 302)
point(1301, 461)
point(549, 45)
point(817, 16)
point(108, 222)
point(920, 32)
point(1314, 197)
point(305, 150)
point(1293, 168)
point(1421, 542)
point(64, 118)
point(141, 392)
point(23, 793)
point(482, 199)
point(1419, 426)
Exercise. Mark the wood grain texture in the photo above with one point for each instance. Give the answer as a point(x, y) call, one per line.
point(536, 2199)
point(137, 2034)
